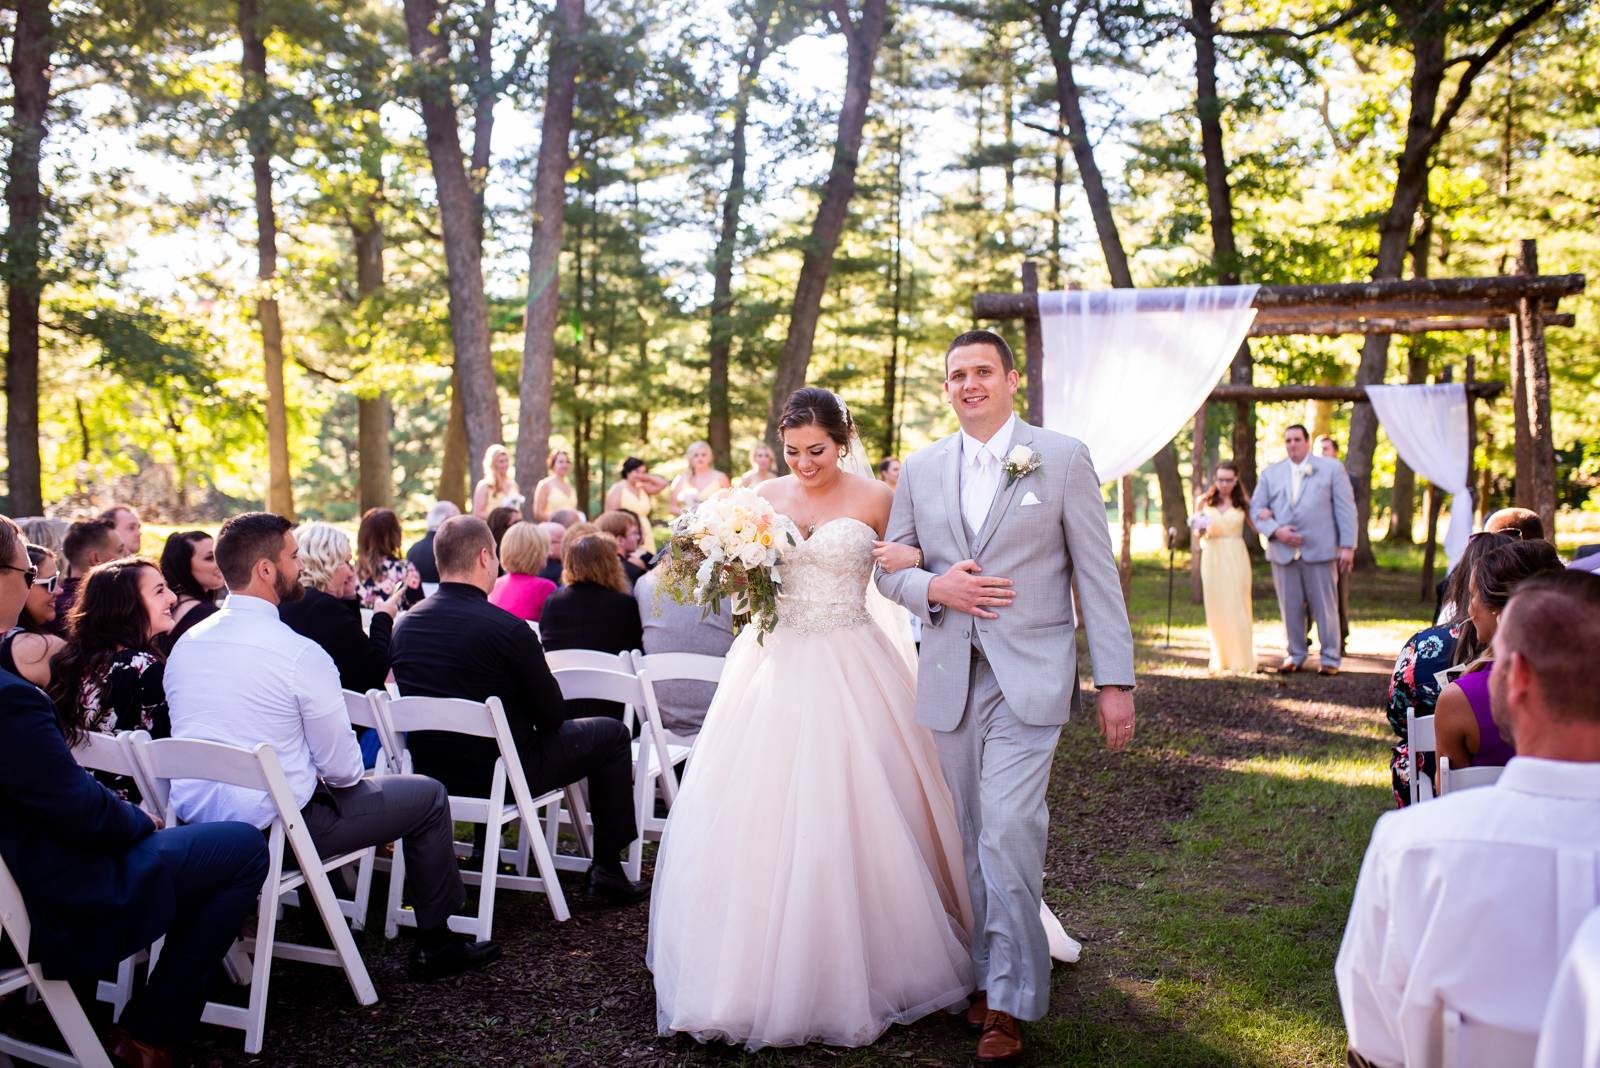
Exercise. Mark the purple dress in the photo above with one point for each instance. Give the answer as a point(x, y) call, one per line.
point(1493, 751)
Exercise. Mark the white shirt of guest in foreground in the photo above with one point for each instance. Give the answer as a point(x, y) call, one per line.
point(243, 677)
point(1469, 902)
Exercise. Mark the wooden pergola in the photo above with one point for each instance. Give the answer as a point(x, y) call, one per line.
point(1521, 304)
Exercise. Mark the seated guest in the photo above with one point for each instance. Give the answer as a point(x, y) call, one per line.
point(243, 678)
point(566, 516)
point(500, 520)
point(329, 614)
point(87, 544)
point(189, 562)
point(556, 535)
point(1464, 730)
point(521, 591)
point(670, 627)
point(1470, 902)
point(1414, 683)
point(99, 879)
point(420, 555)
point(380, 570)
point(593, 609)
point(109, 676)
point(125, 521)
point(624, 527)
point(1523, 523)
point(457, 644)
point(39, 530)
point(28, 647)
point(1570, 1034)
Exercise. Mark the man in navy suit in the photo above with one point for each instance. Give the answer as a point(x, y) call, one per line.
point(100, 879)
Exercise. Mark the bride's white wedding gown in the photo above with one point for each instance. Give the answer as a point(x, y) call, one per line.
point(809, 885)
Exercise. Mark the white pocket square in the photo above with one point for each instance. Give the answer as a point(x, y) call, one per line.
point(1029, 500)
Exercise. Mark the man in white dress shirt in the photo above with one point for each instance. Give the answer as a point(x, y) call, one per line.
point(1470, 902)
point(243, 677)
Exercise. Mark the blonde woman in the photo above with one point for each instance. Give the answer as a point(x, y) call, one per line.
point(524, 551)
point(554, 492)
point(329, 614)
point(761, 463)
point(497, 488)
point(698, 481)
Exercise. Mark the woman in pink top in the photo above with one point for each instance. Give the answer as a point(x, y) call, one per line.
point(520, 590)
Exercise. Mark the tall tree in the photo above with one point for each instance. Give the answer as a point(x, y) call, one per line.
point(544, 250)
point(473, 377)
point(862, 35)
point(1427, 26)
point(256, 118)
point(31, 44)
point(720, 346)
point(1061, 38)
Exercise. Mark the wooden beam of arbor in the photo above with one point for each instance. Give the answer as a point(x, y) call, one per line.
point(1423, 296)
point(1352, 394)
point(1338, 327)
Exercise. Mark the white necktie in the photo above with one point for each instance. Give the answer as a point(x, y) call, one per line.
point(977, 491)
point(1301, 473)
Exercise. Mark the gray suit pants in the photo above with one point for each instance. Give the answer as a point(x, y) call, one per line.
point(1301, 584)
point(998, 768)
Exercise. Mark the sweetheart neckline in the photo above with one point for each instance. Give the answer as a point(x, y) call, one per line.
point(836, 519)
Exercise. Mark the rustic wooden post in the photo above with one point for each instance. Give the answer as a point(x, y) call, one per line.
point(1125, 565)
point(1196, 589)
point(1540, 494)
point(1033, 346)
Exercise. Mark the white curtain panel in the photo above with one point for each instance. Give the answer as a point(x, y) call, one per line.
point(1428, 425)
point(1124, 369)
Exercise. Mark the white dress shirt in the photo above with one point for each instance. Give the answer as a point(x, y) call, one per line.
point(982, 466)
point(1298, 473)
point(1570, 1037)
point(243, 677)
point(1469, 902)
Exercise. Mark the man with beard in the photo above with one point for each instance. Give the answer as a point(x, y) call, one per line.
point(243, 677)
point(1470, 902)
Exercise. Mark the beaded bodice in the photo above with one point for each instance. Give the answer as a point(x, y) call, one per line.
point(825, 578)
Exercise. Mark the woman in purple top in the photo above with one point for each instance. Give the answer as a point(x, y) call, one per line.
point(1464, 725)
point(520, 590)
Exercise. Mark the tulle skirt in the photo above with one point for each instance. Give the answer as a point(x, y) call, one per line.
point(809, 885)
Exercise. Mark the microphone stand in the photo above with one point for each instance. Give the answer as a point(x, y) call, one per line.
point(1172, 550)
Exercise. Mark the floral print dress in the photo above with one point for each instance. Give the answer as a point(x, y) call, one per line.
point(392, 574)
point(127, 693)
point(1414, 685)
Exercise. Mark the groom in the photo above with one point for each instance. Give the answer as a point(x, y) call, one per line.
point(1005, 515)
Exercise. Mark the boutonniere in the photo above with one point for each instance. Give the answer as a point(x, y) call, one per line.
point(1021, 462)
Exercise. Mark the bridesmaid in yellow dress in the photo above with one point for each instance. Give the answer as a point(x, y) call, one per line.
point(497, 489)
point(1219, 522)
point(554, 492)
point(634, 494)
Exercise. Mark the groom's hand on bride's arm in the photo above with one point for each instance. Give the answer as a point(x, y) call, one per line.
point(1114, 706)
point(964, 589)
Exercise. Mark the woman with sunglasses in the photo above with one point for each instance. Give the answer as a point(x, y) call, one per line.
point(28, 648)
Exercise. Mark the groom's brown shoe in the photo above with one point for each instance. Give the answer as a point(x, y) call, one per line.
point(978, 1011)
point(1002, 1039)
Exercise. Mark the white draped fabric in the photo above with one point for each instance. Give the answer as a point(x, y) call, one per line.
point(1428, 425)
point(1124, 369)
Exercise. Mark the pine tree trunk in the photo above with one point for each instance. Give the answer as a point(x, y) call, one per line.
point(257, 120)
point(544, 251)
point(1174, 503)
point(373, 417)
point(459, 220)
point(25, 203)
point(719, 430)
point(862, 38)
point(1402, 515)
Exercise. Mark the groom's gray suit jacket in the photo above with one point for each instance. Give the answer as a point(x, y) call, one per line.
point(1039, 531)
point(1325, 514)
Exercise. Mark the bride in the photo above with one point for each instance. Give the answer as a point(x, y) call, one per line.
point(809, 885)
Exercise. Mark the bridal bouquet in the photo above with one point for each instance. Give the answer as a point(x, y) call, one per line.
point(729, 546)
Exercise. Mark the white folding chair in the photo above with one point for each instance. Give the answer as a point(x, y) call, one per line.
point(1453, 779)
point(562, 659)
point(112, 754)
point(429, 589)
point(651, 751)
point(82, 1042)
point(670, 749)
point(364, 711)
point(1419, 739)
point(1474, 1044)
point(533, 625)
point(258, 769)
point(486, 719)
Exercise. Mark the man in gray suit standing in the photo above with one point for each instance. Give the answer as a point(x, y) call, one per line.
point(1306, 510)
point(1004, 514)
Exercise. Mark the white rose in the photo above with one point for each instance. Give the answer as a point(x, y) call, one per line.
point(1019, 456)
point(752, 555)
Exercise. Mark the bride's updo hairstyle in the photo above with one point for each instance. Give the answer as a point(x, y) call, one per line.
point(821, 408)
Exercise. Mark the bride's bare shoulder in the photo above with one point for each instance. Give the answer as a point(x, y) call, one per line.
point(777, 490)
